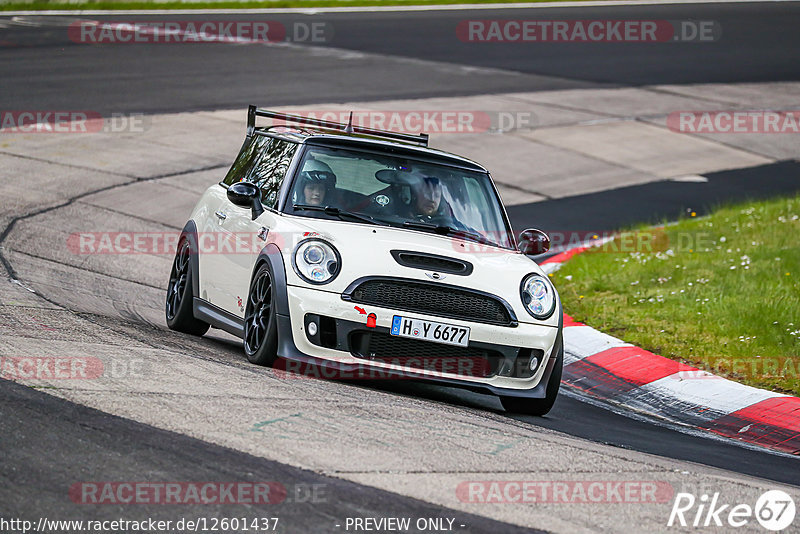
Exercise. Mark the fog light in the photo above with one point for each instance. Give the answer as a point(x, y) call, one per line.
point(312, 328)
point(534, 362)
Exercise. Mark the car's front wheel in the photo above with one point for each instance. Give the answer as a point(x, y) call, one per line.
point(528, 406)
point(178, 306)
point(260, 323)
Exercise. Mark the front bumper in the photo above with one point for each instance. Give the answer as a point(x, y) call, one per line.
point(345, 354)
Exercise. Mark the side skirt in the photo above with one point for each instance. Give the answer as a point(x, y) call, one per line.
point(217, 317)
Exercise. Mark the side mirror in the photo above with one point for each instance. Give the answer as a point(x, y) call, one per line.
point(532, 241)
point(246, 195)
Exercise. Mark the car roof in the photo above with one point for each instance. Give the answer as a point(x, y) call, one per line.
point(335, 139)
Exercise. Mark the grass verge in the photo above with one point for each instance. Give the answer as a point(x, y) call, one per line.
point(721, 293)
point(40, 5)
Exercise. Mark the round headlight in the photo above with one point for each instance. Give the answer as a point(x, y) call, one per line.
point(314, 254)
point(316, 261)
point(538, 296)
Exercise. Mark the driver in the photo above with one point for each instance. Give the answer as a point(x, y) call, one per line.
point(317, 182)
point(427, 204)
point(427, 196)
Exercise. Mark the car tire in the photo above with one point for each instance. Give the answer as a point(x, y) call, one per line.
point(260, 322)
point(527, 406)
point(178, 305)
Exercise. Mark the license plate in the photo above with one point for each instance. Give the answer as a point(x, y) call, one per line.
point(430, 331)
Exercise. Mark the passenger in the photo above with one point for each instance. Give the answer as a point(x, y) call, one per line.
point(317, 184)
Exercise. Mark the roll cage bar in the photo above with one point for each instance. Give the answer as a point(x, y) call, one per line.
point(348, 129)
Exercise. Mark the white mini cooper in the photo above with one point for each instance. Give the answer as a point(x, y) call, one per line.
point(364, 251)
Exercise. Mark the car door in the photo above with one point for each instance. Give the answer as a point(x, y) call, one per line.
point(211, 230)
point(245, 236)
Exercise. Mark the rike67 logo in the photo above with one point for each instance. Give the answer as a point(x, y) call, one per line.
point(774, 510)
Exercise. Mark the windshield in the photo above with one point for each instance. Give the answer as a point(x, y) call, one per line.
point(400, 192)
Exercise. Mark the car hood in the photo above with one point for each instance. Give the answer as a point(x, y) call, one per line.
point(366, 250)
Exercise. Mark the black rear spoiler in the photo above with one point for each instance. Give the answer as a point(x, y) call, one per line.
point(253, 112)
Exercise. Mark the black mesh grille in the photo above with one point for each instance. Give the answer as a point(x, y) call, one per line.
point(416, 354)
point(431, 299)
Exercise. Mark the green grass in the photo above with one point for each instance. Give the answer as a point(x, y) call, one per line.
point(39, 5)
point(721, 293)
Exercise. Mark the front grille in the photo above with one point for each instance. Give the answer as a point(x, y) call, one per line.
point(416, 354)
point(433, 299)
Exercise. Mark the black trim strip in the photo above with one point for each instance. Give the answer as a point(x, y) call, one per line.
point(271, 256)
point(189, 233)
point(217, 317)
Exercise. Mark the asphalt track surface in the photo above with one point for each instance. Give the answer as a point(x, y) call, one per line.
point(657, 202)
point(81, 440)
point(42, 69)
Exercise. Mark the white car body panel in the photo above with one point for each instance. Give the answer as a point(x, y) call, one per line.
point(230, 245)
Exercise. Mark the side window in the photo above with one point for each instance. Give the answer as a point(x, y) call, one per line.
point(244, 162)
point(270, 169)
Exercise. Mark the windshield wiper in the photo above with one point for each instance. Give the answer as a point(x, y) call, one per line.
point(336, 212)
point(444, 229)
